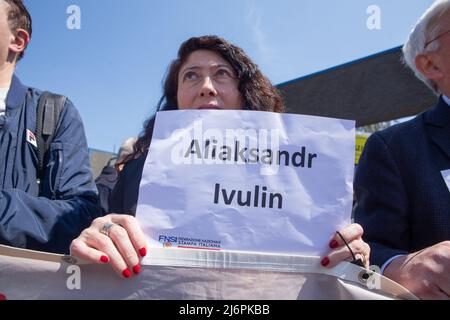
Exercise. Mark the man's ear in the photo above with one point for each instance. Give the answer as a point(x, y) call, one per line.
point(428, 65)
point(19, 41)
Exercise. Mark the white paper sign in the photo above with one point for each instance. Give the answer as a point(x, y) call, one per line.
point(446, 176)
point(247, 181)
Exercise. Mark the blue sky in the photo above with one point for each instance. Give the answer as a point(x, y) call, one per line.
point(112, 68)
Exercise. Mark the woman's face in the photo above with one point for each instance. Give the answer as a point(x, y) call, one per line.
point(207, 81)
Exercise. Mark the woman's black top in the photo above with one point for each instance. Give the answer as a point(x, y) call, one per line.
point(124, 196)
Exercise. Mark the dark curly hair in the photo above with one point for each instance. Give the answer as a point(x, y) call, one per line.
point(257, 91)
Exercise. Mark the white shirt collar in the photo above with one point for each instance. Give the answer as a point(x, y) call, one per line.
point(3, 95)
point(446, 99)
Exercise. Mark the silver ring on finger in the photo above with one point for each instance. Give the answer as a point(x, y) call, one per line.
point(106, 228)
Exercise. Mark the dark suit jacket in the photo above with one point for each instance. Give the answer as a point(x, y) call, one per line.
point(403, 202)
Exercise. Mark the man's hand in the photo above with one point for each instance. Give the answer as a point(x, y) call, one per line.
point(425, 273)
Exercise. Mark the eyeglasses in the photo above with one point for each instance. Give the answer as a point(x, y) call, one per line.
point(440, 35)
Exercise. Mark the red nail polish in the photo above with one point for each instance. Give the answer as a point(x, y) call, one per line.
point(334, 244)
point(104, 259)
point(143, 252)
point(126, 273)
point(137, 269)
point(2, 297)
point(325, 261)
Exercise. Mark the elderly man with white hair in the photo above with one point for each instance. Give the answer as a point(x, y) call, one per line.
point(402, 183)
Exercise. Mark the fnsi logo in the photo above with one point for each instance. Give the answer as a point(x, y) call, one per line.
point(168, 241)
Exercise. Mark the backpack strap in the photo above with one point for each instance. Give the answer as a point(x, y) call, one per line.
point(48, 112)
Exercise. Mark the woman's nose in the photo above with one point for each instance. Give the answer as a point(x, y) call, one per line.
point(207, 88)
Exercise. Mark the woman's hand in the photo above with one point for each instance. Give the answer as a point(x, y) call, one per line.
point(353, 236)
point(114, 239)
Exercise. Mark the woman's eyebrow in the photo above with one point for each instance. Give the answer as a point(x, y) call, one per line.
point(222, 66)
point(189, 68)
point(218, 65)
point(214, 66)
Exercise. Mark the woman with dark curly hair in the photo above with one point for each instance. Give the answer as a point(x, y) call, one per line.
point(209, 73)
point(256, 91)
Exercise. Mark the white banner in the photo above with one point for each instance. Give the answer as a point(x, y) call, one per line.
point(247, 181)
point(27, 274)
